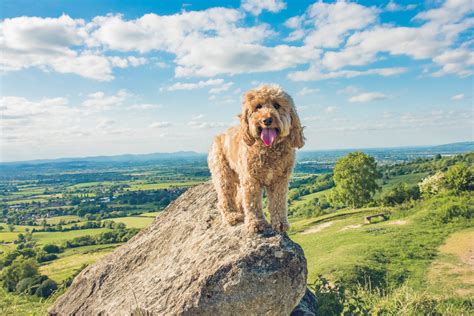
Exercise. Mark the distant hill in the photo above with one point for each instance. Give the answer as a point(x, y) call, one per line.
point(389, 153)
point(454, 147)
point(115, 158)
point(330, 156)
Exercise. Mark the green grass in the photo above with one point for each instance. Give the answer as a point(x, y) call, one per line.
point(14, 304)
point(58, 237)
point(300, 224)
point(28, 192)
point(18, 228)
point(134, 221)
point(65, 218)
point(161, 185)
point(7, 236)
point(5, 247)
point(324, 249)
point(150, 214)
point(412, 178)
point(306, 198)
point(95, 184)
point(408, 239)
point(73, 259)
point(26, 201)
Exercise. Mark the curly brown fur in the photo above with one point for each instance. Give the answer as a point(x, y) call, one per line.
point(246, 160)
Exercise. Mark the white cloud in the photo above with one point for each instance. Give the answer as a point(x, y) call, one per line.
point(392, 6)
point(431, 40)
point(195, 85)
point(457, 61)
point(314, 73)
point(105, 124)
point(222, 41)
point(331, 109)
point(206, 43)
point(222, 88)
point(359, 39)
point(198, 117)
point(311, 119)
point(367, 97)
point(98, 101)
point(458, 97)
point(15, 108)
point(51, 44)
point(306, 90)
point(144, 106)
point(207, 125)
point(257, 6)
point(43, 118)
point(160, 124)
point(348, 90)
point(327, 24)
point(214, 56)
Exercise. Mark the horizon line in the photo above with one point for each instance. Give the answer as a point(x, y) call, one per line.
point(205, 153)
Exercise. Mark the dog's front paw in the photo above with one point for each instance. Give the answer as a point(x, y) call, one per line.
point(257, 226)
point(233, 218)
point(281, 226)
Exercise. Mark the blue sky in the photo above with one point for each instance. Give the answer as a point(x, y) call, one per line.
point(82, 78)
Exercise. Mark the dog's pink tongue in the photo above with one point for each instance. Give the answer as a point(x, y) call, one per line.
point(268, 136)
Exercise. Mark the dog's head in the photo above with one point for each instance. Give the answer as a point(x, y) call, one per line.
point(269, 116)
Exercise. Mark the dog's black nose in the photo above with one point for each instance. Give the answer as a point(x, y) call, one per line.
point(268, 121)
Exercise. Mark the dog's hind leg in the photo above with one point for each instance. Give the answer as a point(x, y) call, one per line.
point(225, 182)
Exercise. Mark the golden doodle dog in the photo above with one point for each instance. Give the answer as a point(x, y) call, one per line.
point(259, 154)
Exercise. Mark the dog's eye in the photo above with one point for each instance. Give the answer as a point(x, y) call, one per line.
point(276, 105)
point(259, 106)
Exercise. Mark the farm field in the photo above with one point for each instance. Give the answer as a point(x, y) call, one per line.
point(73, 259)
point(135, 221)
point(43, 238)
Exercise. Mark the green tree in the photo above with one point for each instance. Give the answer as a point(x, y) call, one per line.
point(459, 178)
point(400, 193)
point(11, 227)
point(356, 177)
point(20, 268)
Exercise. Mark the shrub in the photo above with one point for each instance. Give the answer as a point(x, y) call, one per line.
point(400, 193)
point(46, 288)
point(51, 248)
point(334, 299)
point(432, 185)
point(30, 285)
point(43, 257)
point(459, 178)
point(454, 211)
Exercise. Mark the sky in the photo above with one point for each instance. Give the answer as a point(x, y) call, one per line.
point(87, 78)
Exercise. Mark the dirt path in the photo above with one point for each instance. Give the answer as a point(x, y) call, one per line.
point(316, 228)
point(398, 222)
point(453, 270)
point(351, 227)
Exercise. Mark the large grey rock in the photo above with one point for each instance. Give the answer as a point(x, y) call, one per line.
point(188, 262)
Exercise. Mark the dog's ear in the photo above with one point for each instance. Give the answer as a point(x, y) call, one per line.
point(245, 128)
point(296, 133)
